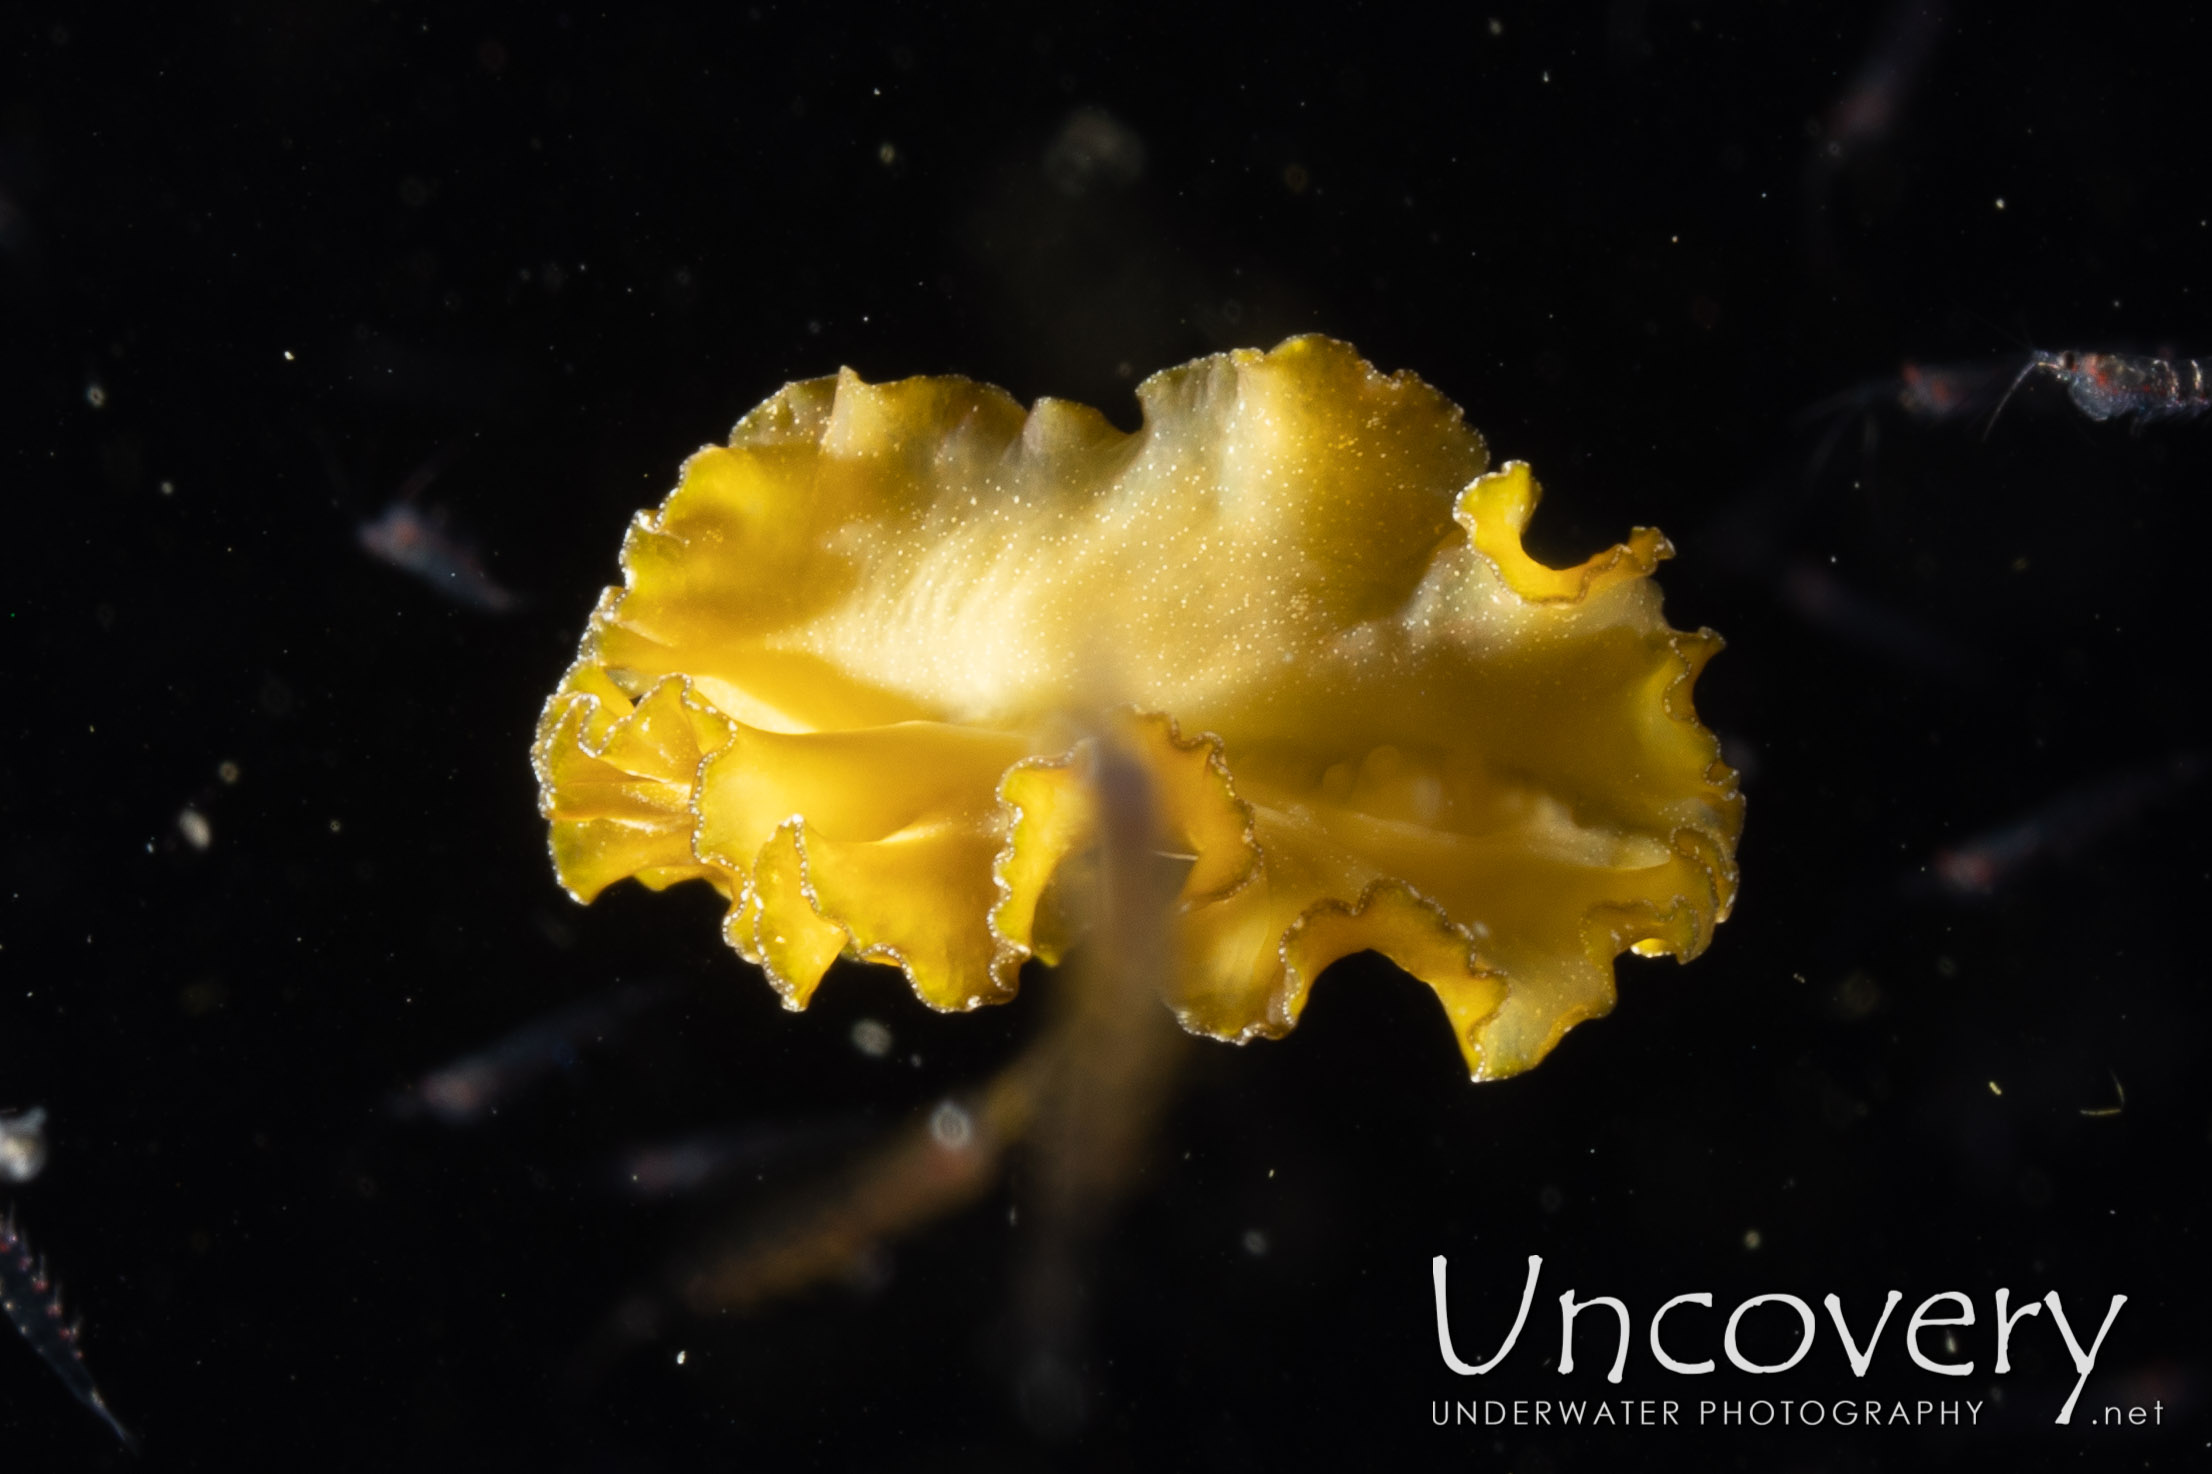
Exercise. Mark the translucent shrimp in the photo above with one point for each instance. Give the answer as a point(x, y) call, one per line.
point(2118, 386)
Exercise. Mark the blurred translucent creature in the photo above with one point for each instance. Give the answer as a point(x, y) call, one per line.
point(2055, 830)
point(478, 1085)
point(700, 1161)
point(1756, 536)
point(1930, 393)
point(33, 1304)
point(419, 542)
point(1093, 148)
point(1926, 394)
point(1871, 105)
point(1830, 604)
point(1868, 111)
point(22, 1144)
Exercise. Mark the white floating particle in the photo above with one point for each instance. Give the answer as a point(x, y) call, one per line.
point(951, 1126)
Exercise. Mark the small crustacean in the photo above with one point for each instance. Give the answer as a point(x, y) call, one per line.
point(2118, 386)
point(33, 1303)
point(418, 540)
